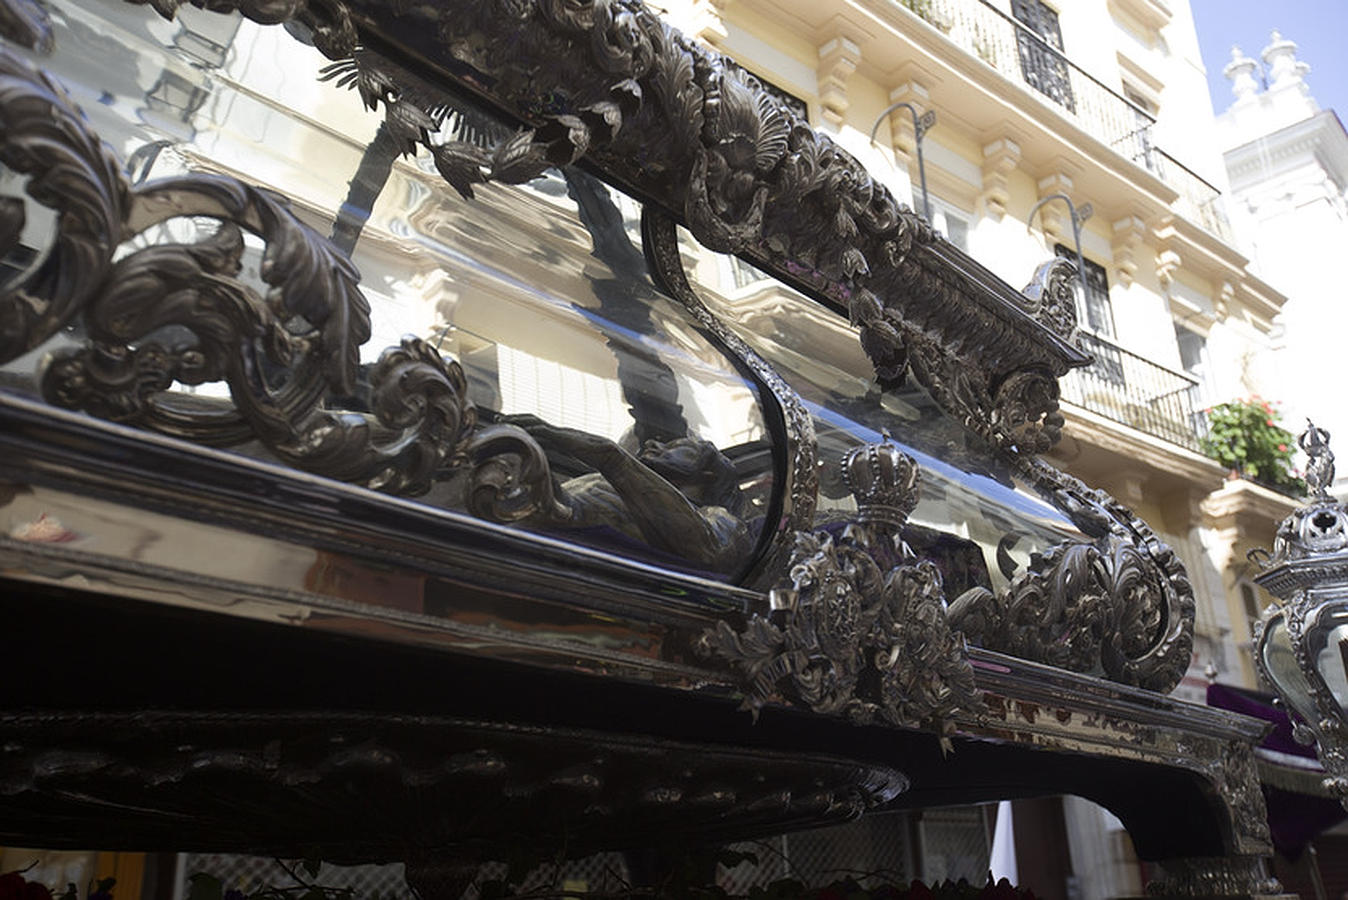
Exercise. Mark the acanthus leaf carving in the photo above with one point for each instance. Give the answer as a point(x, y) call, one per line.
point(69, 171)
point(861, 630)
point(334, 33)
point(27, 24)
point(1051, 297)
point(1120, 604)
point(281, 350)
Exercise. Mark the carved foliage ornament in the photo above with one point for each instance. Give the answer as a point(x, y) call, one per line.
point(1121, 604)
point(753, 177)
point(609, 79)
point(280, 350)
point(750, 174)
point(861, 631)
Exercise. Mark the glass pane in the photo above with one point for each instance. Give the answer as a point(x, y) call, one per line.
point(1281, 663)
point(1327, 640)
point(654, 439)
point(973, 519)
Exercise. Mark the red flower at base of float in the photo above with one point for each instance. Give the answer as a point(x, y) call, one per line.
point(14, 886)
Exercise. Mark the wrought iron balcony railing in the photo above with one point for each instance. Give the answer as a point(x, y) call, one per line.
point(1021, 55)
point(1134, 391)
point(1199, 202)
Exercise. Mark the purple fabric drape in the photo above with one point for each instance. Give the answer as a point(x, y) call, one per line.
point(1293, 819)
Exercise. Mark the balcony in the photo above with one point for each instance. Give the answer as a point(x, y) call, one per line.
point(1199, 202)
point(1131, 390)
point(1023, 56)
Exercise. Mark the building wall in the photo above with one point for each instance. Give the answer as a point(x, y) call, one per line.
point(1288, 165)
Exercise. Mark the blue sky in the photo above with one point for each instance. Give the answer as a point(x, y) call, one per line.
point(1319, 27)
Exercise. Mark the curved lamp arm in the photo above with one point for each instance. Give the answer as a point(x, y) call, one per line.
point(921, 125)
point(1079, 215)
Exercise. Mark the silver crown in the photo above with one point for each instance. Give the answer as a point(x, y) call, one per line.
point(884, 480)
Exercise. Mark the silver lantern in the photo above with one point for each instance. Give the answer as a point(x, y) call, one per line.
point(1301, 644)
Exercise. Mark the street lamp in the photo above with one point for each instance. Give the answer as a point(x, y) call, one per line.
point(1079, 216)
point(1301, 643)
point(920, 128)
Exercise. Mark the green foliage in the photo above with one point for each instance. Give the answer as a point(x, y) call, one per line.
point(1244, 436)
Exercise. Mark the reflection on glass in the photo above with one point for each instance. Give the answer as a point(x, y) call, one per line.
point(542, 293)
point(1281, 662)
point(1328, 639)
point(972, 520)
point(656, 442)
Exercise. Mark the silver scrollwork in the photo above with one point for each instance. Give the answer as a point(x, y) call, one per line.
point(1121, 604)
point(334, 34)
point(281, 353)
point(660, 238)
point(861, 631)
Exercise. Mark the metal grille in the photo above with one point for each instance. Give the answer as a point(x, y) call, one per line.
point(601, 873)
point(1040, 47)
point(870, 850)
point(248, 873)
point(955, 844)
point(1135, 391)
point(1099, 313)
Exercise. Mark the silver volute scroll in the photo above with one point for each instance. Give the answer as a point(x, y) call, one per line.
point(1301, 647)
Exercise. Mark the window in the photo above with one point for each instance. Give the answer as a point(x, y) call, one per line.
point(1138, 99)
point(1193, 350)
point(1137, 145)
point(1095, 312)
point(951, 223)
point(1039, 44)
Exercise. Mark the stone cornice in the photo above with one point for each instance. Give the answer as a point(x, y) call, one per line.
point(1320, 139)
point(1244, 504)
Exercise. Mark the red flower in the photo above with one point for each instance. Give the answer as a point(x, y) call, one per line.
point(14, 886)
point(1282, 448)
point(1269, 423)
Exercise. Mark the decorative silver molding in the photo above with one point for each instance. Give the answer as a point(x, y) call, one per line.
point(286, 772)
point(423, 422)
point(1222, 876)
point(1232, 775)
point(800, 493)
point(1121, 605)
point(861, 631)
